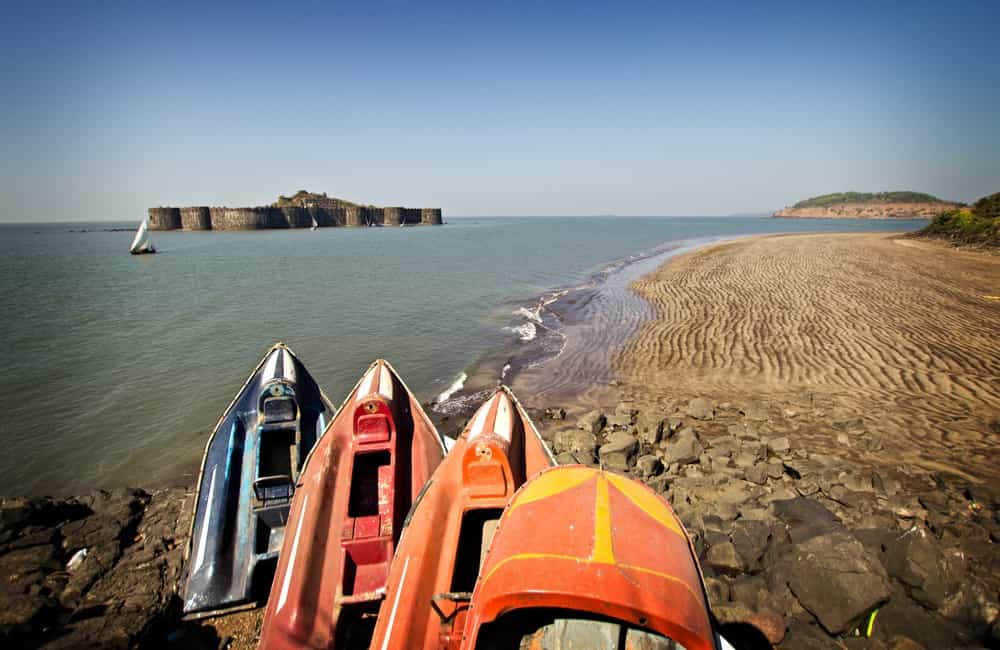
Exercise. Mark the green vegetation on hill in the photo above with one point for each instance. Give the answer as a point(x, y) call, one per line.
point(839, 198)
point(304, 198)
point(979, 224)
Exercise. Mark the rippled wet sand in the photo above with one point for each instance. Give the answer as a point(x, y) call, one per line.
point(901, 332)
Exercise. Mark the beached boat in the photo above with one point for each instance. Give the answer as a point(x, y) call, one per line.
point(248, 474)
point(142, 244)
point(447, 534)
point(349, 509)
point(588, 559)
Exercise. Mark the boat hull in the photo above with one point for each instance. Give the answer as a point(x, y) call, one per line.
point(438, 558)
point(349, 508)
point(248, 473)
point(583, 554)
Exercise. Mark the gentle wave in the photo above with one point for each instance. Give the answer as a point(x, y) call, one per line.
point(453, 388)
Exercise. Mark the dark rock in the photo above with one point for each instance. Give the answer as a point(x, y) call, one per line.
point(718, 591)
point(575, 441)
point(648, 466)
point(835, 579)
point(724, 558)
point(592, 422)
point(750, 539)
point(779, 446)
point(555, 413)
point(916, 560)
point(803, 636)
point(684, 448)
point(757, 474)
point(804, 517)
point(619, 451)
point(650, 428)
point(566, 458)
point(701, 409)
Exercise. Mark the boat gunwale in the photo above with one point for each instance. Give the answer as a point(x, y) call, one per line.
point(350, 395)
point(225, 415)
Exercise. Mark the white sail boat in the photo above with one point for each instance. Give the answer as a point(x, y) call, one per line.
point(141, 244)
point(315, 224)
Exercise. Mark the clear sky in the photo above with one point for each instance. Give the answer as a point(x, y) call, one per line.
point(501, 108)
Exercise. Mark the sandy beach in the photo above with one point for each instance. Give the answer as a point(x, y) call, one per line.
point(899, 332)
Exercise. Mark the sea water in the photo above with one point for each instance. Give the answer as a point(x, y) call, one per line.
point(118, 366)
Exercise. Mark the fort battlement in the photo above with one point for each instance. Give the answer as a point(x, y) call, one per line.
point(303, 210)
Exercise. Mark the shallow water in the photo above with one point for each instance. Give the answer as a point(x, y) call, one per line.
point(119, 366)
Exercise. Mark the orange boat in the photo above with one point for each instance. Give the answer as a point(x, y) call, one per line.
point(347, 514)
point(589, 559)
point(445, 539)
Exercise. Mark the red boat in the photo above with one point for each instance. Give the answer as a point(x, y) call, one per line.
point(347, 514)
point(589, 559)
point(445, 539)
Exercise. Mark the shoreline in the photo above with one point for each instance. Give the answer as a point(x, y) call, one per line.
point(759, 472)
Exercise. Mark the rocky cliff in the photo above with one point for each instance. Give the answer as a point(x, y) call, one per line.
point(859, 205)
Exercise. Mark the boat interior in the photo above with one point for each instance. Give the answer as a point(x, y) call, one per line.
point(379, 495)
point(538, 628)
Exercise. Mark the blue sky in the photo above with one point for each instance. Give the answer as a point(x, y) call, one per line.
point(494, 109)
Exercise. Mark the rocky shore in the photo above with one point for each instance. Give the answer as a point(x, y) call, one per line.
point(821, 411)
point(806, 546)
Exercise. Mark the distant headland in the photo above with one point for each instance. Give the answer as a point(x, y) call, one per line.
point(302, 210)
point(869, 205)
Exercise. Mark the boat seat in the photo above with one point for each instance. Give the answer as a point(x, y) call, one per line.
point(486, 470)
point(272, 488)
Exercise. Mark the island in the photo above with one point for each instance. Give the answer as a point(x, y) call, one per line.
point(869, 205)
point(301, 210)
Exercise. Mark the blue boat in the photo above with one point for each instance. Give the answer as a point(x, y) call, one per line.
point(248, 475)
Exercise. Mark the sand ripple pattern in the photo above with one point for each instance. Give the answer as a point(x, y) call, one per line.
point(901, 330)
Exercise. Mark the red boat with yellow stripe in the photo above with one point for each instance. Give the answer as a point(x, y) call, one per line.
point(352, 497)
point(445, 539)
point(590, 559)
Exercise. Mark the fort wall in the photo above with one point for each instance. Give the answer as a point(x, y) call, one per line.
point(334, 214)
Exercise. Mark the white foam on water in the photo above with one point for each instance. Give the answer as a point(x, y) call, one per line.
point(525, 332)
point(533, 315)
point(452, 388)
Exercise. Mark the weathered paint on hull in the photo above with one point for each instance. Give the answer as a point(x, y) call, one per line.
point(581, 551)
point(248, 471)
point(438, 558)
point(349, 508)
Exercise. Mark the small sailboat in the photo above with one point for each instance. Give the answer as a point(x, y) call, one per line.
point(315, 224)
point(142, 245)
point(350, 508)
point(248, 475)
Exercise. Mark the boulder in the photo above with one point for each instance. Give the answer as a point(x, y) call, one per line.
point(650, 428)
point(835, 579)
point(618, 422)
point(701, 409)
point(683, 449)
point(750, 539)
point(915, 559)
point(804, 518)
point(555, 413)
point(648, 466)
point(592, 422)
point(754, 411)
point(576, 442)
point(779, 446)
point(619, 451)
point(724, 558)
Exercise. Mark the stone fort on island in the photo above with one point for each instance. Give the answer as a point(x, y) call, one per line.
point(303, 210)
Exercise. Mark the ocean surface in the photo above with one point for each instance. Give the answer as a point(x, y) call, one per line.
point(118, 366)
